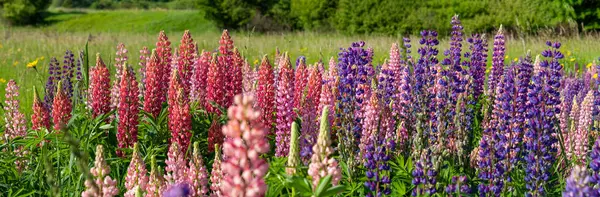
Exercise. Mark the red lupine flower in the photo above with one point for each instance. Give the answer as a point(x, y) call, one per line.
point(61, 112)
point(284, 101)
point(99, 88)
point(248, 79)
point(128, 110)
point(226, 61)
point(310, 114)
point(215, 136)
point(226, 44)
point(153, 95)
point(185, 60)
point(180, 121)
point(234, 77)
point(136, 174)
point(265, 93)
point(215, 90)
point(244, 169)
point(40, 117)
point(120, 59)
point(301, 80)
point(199, 78)
point(163, 53)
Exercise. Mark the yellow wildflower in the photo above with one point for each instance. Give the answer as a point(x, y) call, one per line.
point(255, 61)
point(516, 59)
point(588, 66)
point(33, 64)
point(572, 59)
point(595, 76)
point(15, 63)
point(506, 57)
point(2, 80)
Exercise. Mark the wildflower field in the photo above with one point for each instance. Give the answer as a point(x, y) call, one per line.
point(298, 114)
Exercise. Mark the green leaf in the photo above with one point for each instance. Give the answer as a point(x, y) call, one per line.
point(332, 191)
point(323, 184)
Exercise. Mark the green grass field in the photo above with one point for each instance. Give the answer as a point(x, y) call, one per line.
point(71, 29)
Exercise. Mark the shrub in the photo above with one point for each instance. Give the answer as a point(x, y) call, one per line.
point(314, 14)
point(23, 12)
point(260, 15)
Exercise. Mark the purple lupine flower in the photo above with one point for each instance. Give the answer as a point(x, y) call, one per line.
point(378, 154)
point(54, 75)
point(543, 105)
point(385, 84)
point(503, 112)
point(497, 62)
point(67, 73)
point(477, 64)
point(595, 165)
point(178, 190)
point(458, 186)
point(457, 78)
point(353, 86)
point(424, 176)
point(578, 184)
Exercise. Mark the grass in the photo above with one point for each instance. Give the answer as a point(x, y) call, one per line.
point(136, 28)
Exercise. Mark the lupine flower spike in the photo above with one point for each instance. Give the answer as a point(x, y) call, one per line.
point(41, 117)
point(164, 55)
point(294, 154)
point(61, 111)
point(578, 184)
point(102, 184)
point(153, 96)
point(216, 175)
point(265, 93)
point(198, 176)
point(14, 119)
point(137, 177)
point(199, 78)
point(144, 58)
point(322, 163)
point(176, 166)
point(156, 183)
point(99, 88)
point(284, 102)
point(185, 60)
point(128, 109)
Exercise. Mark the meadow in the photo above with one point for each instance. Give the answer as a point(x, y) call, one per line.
point(328, 115)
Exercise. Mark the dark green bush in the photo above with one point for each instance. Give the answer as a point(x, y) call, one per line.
point(260, 15)
point(314, 14)
point(23, 12)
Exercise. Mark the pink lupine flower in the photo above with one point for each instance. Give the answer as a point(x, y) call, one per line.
point(301, 80)
point(14, 119)
point(102, 184)
point(153, 97)
point(40, 117)
point(176, 166)
point(128, 110)
point(144, 58)
point(248, 79)
point(244, 169)
point(156, 183)
point(163, 53)
point(120, 59)
point(327, 99)
point(580, 141)
point(265, 93)
point(215, 90)
point(185, 60)
point(99, 88)
point(198, 176)
point(321, 163)
point(199, 78)
point(137, 177)
point(216, 175)
point(284, 102)
point(180, 121)
point(370, 123)
point(226, 61)
point(310, 114)
point(61, 110)
point(226, 44)
point(234, 79)
point(572, 132)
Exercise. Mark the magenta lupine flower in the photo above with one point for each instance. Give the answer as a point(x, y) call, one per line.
point(265, 94)
point(497, 62)
point(580, 141)
point(185, 60)
point(61, 108)
point(198, 176)
point(215, 135)
point(102, 184)
point(156, 183)
point(244, 169)
point(216, 174)
point(144, 58)
point(176, 166)
point(309, 133)
point(120, 59)
point(300, 82)
point(153, 97)
point(163, 53)
point(249, 76)
point(14, 119)
point(40, 117)
point(199, 79)
point(136, 177)
point(215, 90)
point(284, 102)
point(322, 163)
point(226, 62)
point(99, 88)
point(180, 120)
point(128, 110)
point(234, 77)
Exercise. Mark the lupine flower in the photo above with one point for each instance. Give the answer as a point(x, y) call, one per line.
point(386, 90)
point(246, 141)
point(180, 120)
point(265, 94)
point(327, 98)
point(234, 76)
point(215, 135)
point(284, 102)
point(178, 190)
point(198, 176)
point(61, 110)
point(370, 124)
point(377, 154)
point(457, 74)
point(353, 87)
point(249, 77)
point(120, 59)
point(459, 187)
point(54, 76)
point(215, 91)
point(40, 117)
point(424, 176)
point(300, 82)
point(163, 53)
point(502, 112)
point(294, 154)
point(156, 183)
point(226, 62)
point(578, 183)
point(543, 105)
point(185, 60)
point(14, 119)
point(153, 96)
point(571, 132)
point(102, 184)
point(136, 173)
point(310, 113)
point(477, 64)
point(128, 109)
point(216, 174)
point(322, 163)
point(580, 139)
point(524, 70)
point(497, 61)
point(99, 88)
point(144, 58)
point(176, 166)
point(67, 72)
point(199, 78)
